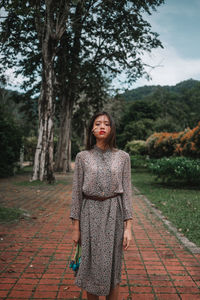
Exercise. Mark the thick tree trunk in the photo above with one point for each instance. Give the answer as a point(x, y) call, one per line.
point(43, 163)
point(50, 29)
point(63, 154)
point(69, 94)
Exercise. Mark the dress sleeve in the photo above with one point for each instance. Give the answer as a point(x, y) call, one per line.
point(77, 189)
point(127, 189)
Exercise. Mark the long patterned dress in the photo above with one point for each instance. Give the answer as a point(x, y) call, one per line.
point(101, 173)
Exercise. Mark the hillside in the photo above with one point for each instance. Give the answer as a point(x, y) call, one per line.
point(147, 91)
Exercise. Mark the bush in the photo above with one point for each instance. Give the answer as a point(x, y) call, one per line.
point(10, 145)
point(176, 168)
point(137, 147)
point(189, 144)
point(139, 161)
point(163, 144)
point(184, 143)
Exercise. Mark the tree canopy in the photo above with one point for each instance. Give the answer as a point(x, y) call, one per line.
point(65, 49)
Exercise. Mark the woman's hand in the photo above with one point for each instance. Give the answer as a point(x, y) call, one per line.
point(127, 234)
point(76, 236)
point(127, 238)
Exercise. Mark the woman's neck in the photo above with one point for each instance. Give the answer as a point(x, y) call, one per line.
point(101, 145)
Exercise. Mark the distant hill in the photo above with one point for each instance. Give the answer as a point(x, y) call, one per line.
point(141, 93)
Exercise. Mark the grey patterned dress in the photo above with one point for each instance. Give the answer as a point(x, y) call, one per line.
point(101, 173)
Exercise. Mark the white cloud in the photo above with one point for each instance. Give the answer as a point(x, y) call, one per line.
point(171, 68)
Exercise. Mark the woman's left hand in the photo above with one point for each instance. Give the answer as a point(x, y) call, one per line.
point(127, 238)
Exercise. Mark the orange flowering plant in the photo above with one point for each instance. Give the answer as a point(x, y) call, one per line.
point(184, 143)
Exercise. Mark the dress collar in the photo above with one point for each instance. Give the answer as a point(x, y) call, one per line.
point(101, 150)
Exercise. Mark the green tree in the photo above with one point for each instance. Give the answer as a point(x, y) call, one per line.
point(88, 37)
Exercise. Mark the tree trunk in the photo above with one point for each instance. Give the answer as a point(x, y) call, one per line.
point(43, 162)
point(63, 154)
point(69, 94)
point(50, 29)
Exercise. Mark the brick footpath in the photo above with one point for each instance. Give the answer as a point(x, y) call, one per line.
point(35, 251)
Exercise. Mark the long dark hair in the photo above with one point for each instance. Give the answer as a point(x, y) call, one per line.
point(110, 140)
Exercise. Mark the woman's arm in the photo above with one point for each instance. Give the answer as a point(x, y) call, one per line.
point(77, 189)
point(127, 234)
point(127, 189)
point(76, 199)
point(127, 202)
point(76, 231)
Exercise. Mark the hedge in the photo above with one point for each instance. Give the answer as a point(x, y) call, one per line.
point(176, 168)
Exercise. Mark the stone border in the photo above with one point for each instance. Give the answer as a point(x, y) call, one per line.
point(188, 244)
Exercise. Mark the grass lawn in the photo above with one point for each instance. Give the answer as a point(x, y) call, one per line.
point(10, 214)
point(178, 202)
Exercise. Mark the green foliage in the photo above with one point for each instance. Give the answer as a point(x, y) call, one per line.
point(125, 33)
point(139, 161)
point(158, 109)
point(22, 109)
point(176, 168)
point(136, 147)
point(144, 92)
point(10, 214)
point(168, 124)
point(10, 144)
point(137, 122)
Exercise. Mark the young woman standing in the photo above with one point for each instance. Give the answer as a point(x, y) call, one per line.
point(101, 209)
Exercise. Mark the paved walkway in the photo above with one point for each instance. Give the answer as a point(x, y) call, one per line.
point(35, 252)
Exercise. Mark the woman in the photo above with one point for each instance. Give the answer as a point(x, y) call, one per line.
point(101, 209)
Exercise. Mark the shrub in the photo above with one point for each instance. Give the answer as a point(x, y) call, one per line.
point(163, 144)
point(139, 161)
point(137, 147)
point(176, 168)
point(184, 143)
point(10, 145)
point(189, 144)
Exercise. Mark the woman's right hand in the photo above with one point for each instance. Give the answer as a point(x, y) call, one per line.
point(76, 236)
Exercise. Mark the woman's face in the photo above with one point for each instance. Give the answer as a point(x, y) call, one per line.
point(101, 127)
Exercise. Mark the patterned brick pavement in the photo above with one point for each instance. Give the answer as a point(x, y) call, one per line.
point(35, 252)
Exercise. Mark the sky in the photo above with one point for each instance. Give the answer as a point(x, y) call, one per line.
point(178, 24)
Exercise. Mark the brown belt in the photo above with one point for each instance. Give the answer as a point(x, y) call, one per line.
point(99, 198)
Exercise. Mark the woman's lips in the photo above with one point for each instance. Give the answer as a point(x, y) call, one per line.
point(102, 132)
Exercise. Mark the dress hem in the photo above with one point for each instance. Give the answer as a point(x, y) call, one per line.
point(98, 294)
